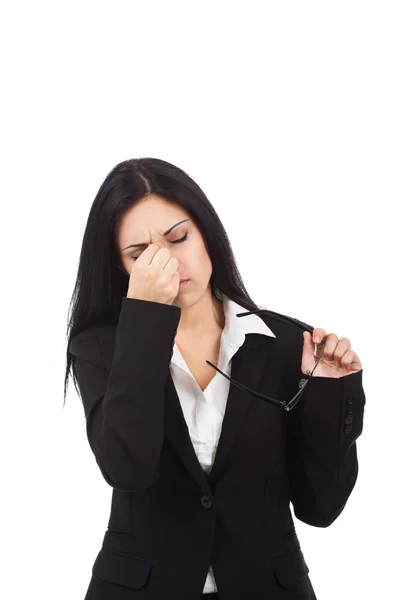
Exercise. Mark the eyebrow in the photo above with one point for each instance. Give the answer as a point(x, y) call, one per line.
point(164, 234)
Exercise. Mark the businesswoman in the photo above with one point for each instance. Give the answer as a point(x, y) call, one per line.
point(206, 414)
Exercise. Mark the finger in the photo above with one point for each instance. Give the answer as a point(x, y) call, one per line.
point(330, 344)
point(308, 357)
point(147, 257)
point(351, 361)
point(308, 341)
point(318, 335)
point(346, 360)
point(342, 347)
point(356, 361)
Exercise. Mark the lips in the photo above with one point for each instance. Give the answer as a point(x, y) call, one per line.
point(183, 284)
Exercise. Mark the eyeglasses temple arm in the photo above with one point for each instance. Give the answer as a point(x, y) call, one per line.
point(247, 389)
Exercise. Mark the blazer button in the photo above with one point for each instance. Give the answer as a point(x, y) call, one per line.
point(348, 420)
point(348, 428)
point(349, 400)
point(350, 410)
point(206, 502)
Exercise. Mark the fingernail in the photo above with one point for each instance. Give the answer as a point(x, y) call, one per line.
point(317, 339)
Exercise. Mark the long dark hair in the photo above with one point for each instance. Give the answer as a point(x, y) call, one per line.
point(101, 283)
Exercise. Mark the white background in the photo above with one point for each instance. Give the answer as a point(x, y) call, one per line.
point(298, 120)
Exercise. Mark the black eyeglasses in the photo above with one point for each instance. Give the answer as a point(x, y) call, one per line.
point(303, 382)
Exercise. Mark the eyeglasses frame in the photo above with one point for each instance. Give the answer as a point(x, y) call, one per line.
point(303, 382)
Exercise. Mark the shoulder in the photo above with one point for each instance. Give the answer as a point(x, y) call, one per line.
point(287, 346)
point(284, 325)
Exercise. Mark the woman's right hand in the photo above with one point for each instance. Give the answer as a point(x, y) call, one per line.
point(154, 276)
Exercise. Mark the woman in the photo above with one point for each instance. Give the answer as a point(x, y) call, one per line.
point(187, 408)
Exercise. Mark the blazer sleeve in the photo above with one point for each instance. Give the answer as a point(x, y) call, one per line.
point(124, 406)
point(322, 430)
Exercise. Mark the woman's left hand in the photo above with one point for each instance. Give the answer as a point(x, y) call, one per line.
point(338, 358)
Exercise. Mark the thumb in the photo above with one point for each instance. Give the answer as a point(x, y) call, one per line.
point(308, 347)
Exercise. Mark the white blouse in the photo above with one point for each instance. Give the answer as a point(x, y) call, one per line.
point(204, 411)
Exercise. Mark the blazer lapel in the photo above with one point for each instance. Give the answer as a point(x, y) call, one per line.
point(247, 366)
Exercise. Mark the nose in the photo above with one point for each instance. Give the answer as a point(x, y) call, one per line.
point(160, 242)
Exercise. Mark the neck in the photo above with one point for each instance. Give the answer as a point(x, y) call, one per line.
point(204, 318)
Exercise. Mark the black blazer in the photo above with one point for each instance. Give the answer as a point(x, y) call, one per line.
point(168, 519)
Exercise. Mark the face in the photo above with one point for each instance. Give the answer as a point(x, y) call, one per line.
point(145, 222)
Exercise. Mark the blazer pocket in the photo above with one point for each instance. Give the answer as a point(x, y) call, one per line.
point(289, 567)
point(123, 569)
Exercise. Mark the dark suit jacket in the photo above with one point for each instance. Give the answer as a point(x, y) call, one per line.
point(168, 519)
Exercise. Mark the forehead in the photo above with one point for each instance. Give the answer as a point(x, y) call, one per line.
point(150, 216)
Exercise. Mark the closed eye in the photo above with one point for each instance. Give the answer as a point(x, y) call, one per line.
point(173, 242)
point(181, 240)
